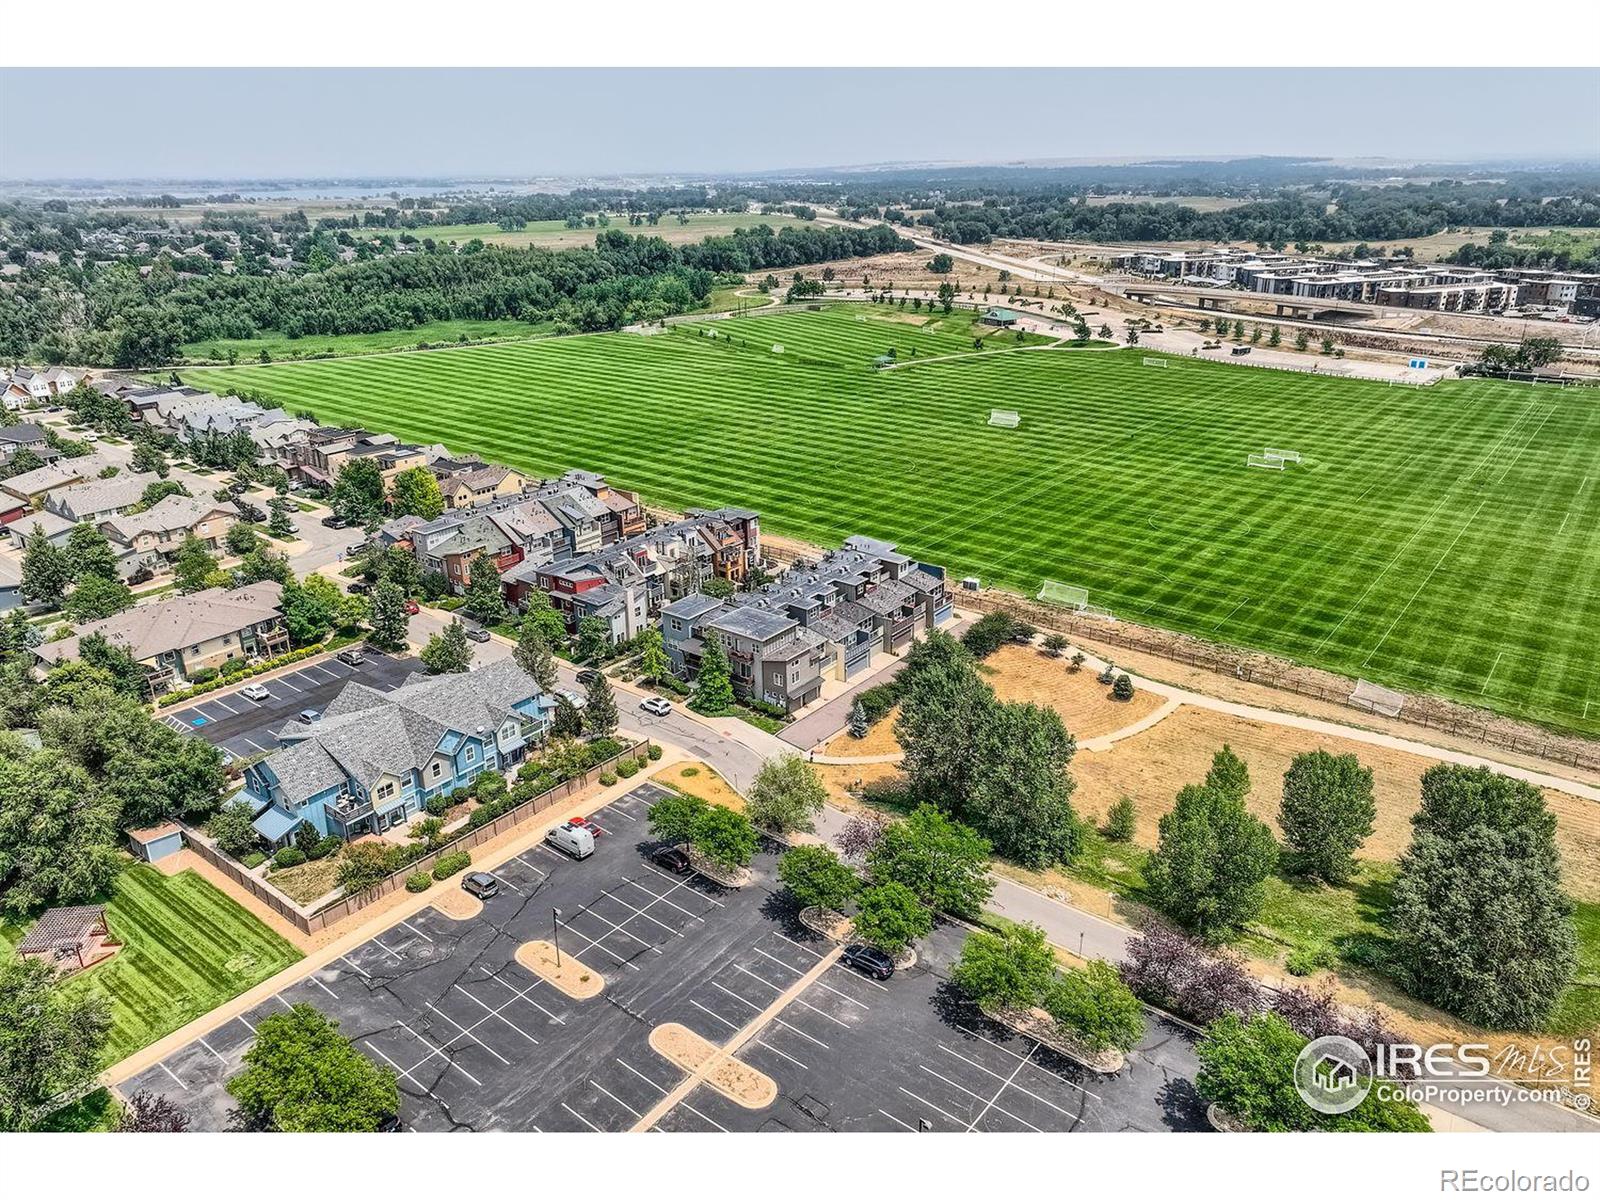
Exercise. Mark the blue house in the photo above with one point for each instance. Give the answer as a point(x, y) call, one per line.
point(375, 758)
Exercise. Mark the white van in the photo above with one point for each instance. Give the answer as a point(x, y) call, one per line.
point(576, 840)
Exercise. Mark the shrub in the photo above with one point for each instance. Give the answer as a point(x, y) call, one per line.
point(1056, 644)
point(437, 806)
point(234, 666)
point(1009, 969)
point(1094, 1006)
point(992, 631)
point(449, 864)
point(418, 881)
point(876, 702)
point(653, 753)
point(232, 830)
point(203, 675)
point(324, 847)
point(289, 856)
point(627, 768)
point(1304, 960)
point(607, 778)
point(1122, 689)
point(253, 860)
point(688, 772)
point(1172, 971)
point(1121, 821)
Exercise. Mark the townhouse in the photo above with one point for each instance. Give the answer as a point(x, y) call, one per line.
point(173, 639)
point(318, 459)
point(28, 490)
point(822, 620)
point(99, 499)
point(16, 438)
point(148, 540)
point(470, 482)
point(375, 758)
point(27, 387)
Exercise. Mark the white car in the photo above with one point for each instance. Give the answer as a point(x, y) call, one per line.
point(656, 706)
point(254, 691)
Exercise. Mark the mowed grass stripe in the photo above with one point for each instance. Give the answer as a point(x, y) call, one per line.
point(1421, 542)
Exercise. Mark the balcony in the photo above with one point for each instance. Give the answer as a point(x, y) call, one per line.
point(349, 809)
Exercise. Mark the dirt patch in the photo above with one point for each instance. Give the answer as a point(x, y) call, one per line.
point(718, 873)
point(845, 782)
point(1041, 1027)
point(833, 925)
point(570, 976)
point(697, 779)
point(880, 739)
point(736, 1080)
point(1023, 674)
point(457, 903)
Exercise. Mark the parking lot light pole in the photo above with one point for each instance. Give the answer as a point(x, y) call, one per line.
point(555, 933)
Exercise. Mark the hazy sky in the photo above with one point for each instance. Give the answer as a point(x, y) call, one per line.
point(176, 123)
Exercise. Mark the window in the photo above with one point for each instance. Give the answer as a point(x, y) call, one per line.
point(385, 791)
point(438, 770)
point(472, 752)
point(677, 625)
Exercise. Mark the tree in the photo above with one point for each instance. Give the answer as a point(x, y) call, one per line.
point(1209, 870)
point(51, 1039)
point(1095, 1007)
point(543, 616)
point(941, 264)
point(1055, 644)
point(232, 830)
point(302, 1076)
point(45, 573)
point(568, 721)
point(653, 661)
point(1481, 925)
point(58, 830)
point(786, 796)
point(857, 722)
point(1021, 793)
point(1121, 821)
point(416, 493)
point(1122, 689)
point(430, 830)
point(1328, 810)
point(717, 588)
point(943, 709)
point(1302, 339)
point(96, 597)
point(944, 862)
point(364, 864)
point(146, 1112)
point(533, 656)
point(713, 688)
point(726, 837)
point(158, 491)
point(148, 459)
point(358, 492)
point(675, 817)
point(891, 917)
point(1275, 337)
point(448, 653)
point(486, 603)
point(1009, 969)
point(310, 608)
point(594, 639)
point(816, 878)
point(193, 566)
point(241, 539)
point(861, 834)
point(389, 617)
point(88, 552)
point(279, 525)
point(1247, 1067)
point(600, 713)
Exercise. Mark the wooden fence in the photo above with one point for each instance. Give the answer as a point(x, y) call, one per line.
point(464, 839)
point(1223, 661)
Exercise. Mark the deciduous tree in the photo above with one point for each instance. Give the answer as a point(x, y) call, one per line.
point(890, 916)
point(944, 862)
point(786, 796)
point(1212, 862)
point(816, 878)
point(302, 1076)
point(1327, 811)
point(449, 652)
point(51, 1039)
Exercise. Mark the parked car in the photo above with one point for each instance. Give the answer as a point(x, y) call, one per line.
point(238, 487)
point(656, 706)
point(355, 548)
point(335, 521)
point(254, 691)
point(360, 587)
point(480, 884)
point(869, 960)
point(411, 608)
point(574, 838)
point(310, 715)
point(477, 635)
point(351, 657)
point(587, 676)
point(576, 699)
point(672, 859)
point(88, 435)
point(1238, 350)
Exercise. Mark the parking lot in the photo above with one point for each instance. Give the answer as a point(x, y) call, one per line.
point(246, 727)
point(478, 1042)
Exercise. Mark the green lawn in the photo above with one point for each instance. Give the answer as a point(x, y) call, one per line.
point(554, 235)
point(186, 949)
point(435, 333)
point(1443, 539)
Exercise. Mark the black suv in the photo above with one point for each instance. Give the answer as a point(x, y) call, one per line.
point(481, 884)
point(869, 960)
point(587, 676)
point(671, 858)
point(335, 522)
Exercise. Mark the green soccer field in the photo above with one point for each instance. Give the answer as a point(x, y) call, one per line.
point(1443, 539)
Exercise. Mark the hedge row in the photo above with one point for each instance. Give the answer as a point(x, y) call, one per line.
point(222, 681)
point(449, 864)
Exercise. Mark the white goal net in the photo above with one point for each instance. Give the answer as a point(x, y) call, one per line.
point(1263, 460)
point(1155, 362)
point(1286, 455)
point(1004, 418)
point(1065, 594)
point(1374, 698)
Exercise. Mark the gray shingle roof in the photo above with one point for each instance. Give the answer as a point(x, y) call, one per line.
point(147, 630)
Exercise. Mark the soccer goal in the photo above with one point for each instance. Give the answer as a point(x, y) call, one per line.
point(1265, 461)
point(1065, 594)
point(1374, 698)
point(1286, 455)
point(1155, 362)
point(1004, 418)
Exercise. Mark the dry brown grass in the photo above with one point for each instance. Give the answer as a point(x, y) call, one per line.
point(880, 739)
point(736, 1080)
point(456, 902)
point(700, 780)
point(1023, 674)
point(309, 881)
point(568, 976)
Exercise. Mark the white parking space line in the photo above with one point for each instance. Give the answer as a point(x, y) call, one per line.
point(223, 704)
point(703, 1117)
point(1011, 1083)
point(768, 1046)
point(990, 1103)
point(1037, 1066)
point(896, 1119)
point(581, 1117)
point(246, 1024)
point(345, 958)
point(930, 1104)
point(663, 898)
point(858, 976)
point(213, 1050)
point(636, 1113)
point(843, 996)
point(681, 883)
point(284, 682)
point(279, 998)
point(640, 912)
point(386, 949)
point(416, 931)
point(643, 1076)
point(714, 1015)
point(805, 1004)
point(763, 982)
point(401, 1070)
point(509, 884)
point(800, 946)
point(779, 961)
point(435, 1050)
point(1007, 1083)
point(523, 859)
point(614, 927)
point(324, 987)
point(522, 994)
point(495, 1012)
point(174, 1078)
point(254, 745)
point(613, 808)
point(801, 1032)
point(467, 1033)
point(736, 996)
